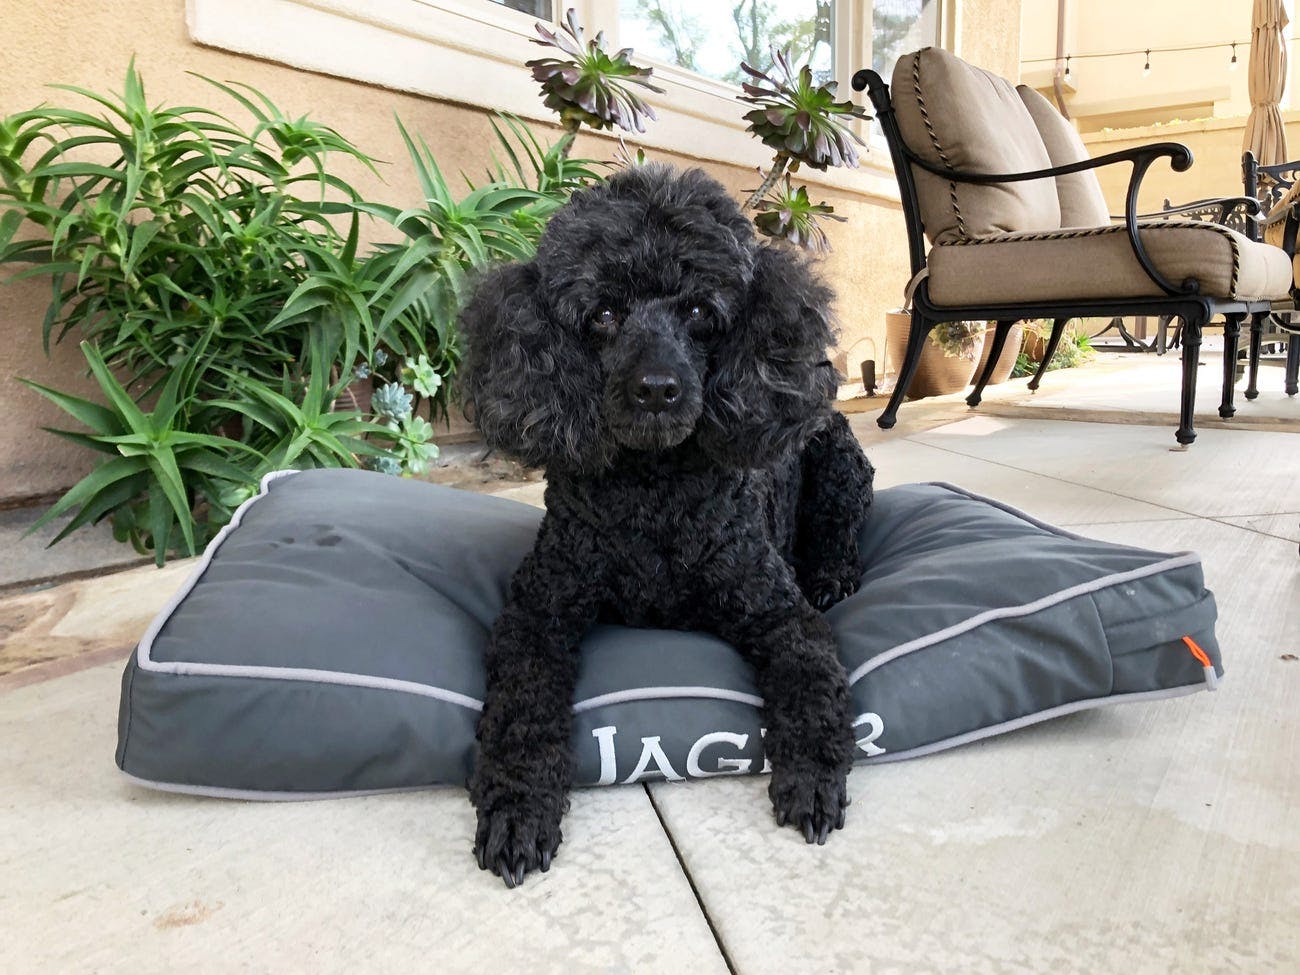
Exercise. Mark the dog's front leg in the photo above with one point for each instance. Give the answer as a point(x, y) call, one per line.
point(809, 738)
point(522, 776)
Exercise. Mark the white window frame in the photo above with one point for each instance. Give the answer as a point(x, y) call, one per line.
point(472, 52)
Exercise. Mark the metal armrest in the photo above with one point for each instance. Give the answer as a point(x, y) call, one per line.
point(1224, 204)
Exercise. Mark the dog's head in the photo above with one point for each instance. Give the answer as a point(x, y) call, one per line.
point(649, 318)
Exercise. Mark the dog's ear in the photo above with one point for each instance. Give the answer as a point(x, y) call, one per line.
point(527, 380)
point(771, 385)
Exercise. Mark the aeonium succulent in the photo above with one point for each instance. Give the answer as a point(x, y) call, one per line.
point(787, 213)
point(801, 120)
point(590, 86)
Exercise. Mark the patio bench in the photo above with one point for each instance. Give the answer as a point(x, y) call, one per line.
point(1001, 188)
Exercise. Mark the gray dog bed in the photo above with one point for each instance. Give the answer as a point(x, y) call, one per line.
point(330, 642)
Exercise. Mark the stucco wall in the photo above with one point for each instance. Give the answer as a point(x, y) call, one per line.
point(1102, 85)
point(1216, 160)
point(88, 43)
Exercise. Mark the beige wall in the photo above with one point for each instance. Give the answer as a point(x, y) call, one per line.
point(1113, 91)
point(88, 43)
point(1216, 160)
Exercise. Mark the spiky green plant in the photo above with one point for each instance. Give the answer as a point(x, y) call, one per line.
point(590, 87)
point(186, 248)
point(159, 472)
point(787, 213)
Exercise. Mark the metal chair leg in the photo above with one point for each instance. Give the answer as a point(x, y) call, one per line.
point(916, 337)
point(1191, 329)
point(1053, 340)
point(995, 353)
point(1292, 364)
point(1231, 331)
point(1256, 341)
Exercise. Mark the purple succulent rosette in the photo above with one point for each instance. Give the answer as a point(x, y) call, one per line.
point(589, 87)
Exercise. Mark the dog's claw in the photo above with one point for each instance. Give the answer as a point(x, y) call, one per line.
point(812, 799)
point(515, 838)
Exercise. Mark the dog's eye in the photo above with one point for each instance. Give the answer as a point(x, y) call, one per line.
point(605, 318)
point(696, 313)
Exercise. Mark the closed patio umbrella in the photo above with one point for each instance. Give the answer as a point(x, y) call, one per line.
point(1265, 135)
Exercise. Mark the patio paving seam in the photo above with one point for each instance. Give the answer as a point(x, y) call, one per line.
point(1246, 528)
point(699, 899)
point(1179, 513)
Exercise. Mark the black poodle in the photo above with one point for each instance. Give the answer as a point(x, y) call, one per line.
point(670, 374)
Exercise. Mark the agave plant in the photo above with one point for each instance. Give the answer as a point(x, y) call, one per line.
point(787, 213)
point(590, 86)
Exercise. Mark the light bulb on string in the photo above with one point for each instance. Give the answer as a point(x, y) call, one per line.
point(1232, 65)
point(1146, 68)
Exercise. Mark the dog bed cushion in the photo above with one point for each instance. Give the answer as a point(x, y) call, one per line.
point(330, 641)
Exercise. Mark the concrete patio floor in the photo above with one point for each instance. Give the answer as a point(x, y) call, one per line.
point(1144, 838)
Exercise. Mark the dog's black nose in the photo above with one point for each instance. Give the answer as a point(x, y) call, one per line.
point(655, 391)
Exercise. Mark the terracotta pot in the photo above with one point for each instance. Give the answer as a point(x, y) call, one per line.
point(937, 374)
point(1006, 361)
point(355, 396)
point(1033, 345)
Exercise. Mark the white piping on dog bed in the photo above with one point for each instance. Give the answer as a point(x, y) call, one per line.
point(1092, 703)
point(146, 662)
point(1024, 721)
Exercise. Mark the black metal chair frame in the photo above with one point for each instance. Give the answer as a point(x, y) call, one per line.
point(1269, 184)
point(1181, 300)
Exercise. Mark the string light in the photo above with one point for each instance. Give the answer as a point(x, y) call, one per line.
point(1233, 60)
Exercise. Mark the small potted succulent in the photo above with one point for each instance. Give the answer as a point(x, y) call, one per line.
point(947, 360)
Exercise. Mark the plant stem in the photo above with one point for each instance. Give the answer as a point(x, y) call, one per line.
point(778, 167)
point(566, 140)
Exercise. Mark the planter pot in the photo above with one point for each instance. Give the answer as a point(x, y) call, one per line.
point(1033, 345)
point(355, 396)
point(1006, 361)
point(936, 374)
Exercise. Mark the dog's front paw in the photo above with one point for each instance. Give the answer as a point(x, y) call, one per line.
point(828, 584)
point(517, 834)
point(810, 799)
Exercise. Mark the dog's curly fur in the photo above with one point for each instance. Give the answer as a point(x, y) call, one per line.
point(730, 503)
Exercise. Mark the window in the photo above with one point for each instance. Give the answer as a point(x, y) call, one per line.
point(835, 37)
point(899, 27)
point(712, 39)
point(533, 8)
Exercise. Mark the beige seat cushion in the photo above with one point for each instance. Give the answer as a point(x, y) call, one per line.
point(955, 115)
point(1082, 203)
point(1098, 263)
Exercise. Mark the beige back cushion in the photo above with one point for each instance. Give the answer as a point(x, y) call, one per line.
point(1082, 203)
point(961, 117)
